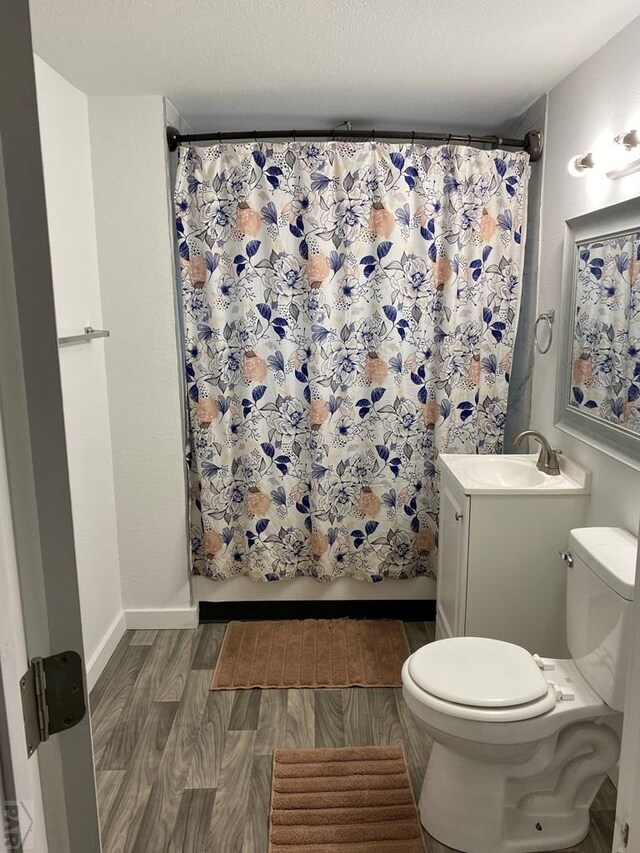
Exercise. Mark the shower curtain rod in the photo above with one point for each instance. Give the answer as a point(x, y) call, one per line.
point(531, 143)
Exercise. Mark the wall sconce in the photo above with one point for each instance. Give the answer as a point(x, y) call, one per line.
point(578, 166)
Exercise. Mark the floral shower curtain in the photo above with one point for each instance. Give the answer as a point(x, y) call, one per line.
point(350, 310)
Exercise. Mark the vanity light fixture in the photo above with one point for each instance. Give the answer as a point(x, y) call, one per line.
point(619, 166)
point(581, 164)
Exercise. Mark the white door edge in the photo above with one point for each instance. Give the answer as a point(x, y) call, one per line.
point(22, 786)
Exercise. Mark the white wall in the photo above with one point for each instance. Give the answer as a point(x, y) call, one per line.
point(598, 100)
point(134, 225)
point(64, 129)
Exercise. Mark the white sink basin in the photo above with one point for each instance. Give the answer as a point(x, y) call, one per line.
point(513, 474)
point(504, 471)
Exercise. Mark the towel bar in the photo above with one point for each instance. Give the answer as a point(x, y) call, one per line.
point(88, 335)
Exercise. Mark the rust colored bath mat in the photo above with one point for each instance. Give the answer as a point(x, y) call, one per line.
point(311, 653)
point(354, 800)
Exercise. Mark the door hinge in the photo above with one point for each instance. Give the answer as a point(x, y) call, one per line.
point(53, 698)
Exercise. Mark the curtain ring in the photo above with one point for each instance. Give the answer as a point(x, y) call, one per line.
point(294, 136)
point(373, 136)
point(449, 139)
point(255, 136)
point(413, 137)
point(469, 141)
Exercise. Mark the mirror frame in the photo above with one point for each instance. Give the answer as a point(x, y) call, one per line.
point(608, 437)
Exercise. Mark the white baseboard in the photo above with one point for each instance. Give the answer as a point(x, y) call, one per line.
point(100, 657)
point(185, 617)
point(135, 619)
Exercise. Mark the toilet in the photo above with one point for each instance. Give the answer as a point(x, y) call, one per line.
point(521, 745)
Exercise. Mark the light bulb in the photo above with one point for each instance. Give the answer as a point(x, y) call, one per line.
point(580, 165)
point(625, 161)
point(630, 139)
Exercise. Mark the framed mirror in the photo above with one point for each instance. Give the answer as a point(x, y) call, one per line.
point(598, 388)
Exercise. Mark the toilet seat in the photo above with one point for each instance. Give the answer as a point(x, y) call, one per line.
point(477, 678)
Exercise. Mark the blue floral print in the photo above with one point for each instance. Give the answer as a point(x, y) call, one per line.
point(350, 310)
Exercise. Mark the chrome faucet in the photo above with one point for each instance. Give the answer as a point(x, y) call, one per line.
point(548, 458)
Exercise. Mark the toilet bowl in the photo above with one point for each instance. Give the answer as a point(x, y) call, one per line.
point(521, 745)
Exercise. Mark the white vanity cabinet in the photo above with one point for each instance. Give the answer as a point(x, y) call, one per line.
point(499, 570)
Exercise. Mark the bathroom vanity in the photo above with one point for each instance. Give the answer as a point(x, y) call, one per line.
point(502, 525)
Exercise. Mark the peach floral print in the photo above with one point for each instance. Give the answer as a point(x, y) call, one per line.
point(254, 368)
point(318, 543)
point(474, 370)
point(376, 369)
point(425, 542)
point(318, 413)
point(317, 268)
point(258, 502)
point(582, 370)
point(370, 503)
point(206, 411)
point(381, 221)
point(212, 543)
point(248, 221)
point(430, 412)
point(197, 269)
point(441, 272)
point(488, 227)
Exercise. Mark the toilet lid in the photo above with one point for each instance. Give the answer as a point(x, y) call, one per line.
point(478, 671)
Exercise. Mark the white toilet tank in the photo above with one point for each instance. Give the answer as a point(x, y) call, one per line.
point(600, 589)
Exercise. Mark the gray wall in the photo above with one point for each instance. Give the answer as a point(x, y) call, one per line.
point(586, 110)
point(521, 383)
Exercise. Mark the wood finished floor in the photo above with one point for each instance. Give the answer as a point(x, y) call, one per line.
point(185, 770)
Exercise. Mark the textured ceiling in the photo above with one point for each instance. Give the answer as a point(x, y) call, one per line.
point(435, 64)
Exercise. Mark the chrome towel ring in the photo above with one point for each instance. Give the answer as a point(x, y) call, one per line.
point(548, 317)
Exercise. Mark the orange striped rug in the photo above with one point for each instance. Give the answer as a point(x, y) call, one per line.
point(312, 653)
point(354, 800)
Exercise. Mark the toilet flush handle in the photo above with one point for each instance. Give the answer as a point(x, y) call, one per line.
point(567, 557)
